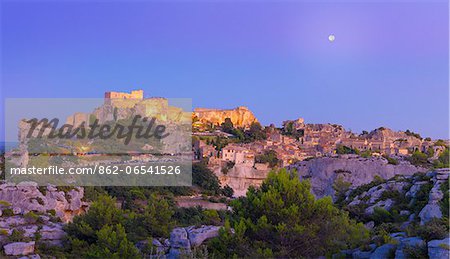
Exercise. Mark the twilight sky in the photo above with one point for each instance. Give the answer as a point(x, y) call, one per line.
point(387, 67)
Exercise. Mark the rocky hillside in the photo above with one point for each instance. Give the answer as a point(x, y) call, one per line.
point(323, 172)
point(32, 216)
point(407, 214)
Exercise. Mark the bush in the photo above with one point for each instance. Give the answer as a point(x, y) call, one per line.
point(7, 212)
point(18, 236)
point(416, 251)
point(211, 217)
point(31, 217)
point(418, 159)
point(391, 160)
point(381, 215)
point(342, 150)
point(227, 191)
point(434, 229)
point(269, 156)
point(203, 177)
point(5, 203)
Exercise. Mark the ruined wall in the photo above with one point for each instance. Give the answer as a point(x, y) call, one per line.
point(136, 94)
point(240, 116)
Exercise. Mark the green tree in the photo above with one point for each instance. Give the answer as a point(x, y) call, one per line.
point(256, 132)
point(418, 158)
point(102, 212)
point(203, 177)
point(155, 220)
point(341, 150)
point(112, 242)
point(284, 219)
point(269, 156)
point(443, 160)
point(227, 126)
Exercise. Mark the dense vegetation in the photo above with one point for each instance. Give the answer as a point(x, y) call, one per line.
point(283, 219)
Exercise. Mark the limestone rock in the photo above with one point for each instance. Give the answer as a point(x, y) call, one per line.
point(439, 249)
point(54, 232)
point(240, 116)
point(179, 238)
point(408, 241)
point(322, 172)
point(428, 212)
point(386, 204)
point(26, 196)
point(361, 254)
point(35, 256)
point(198, 235)
point(383, 251)
point(19, 248)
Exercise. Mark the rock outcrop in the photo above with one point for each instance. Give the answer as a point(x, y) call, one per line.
point(240, 116)
point(439, 249)
point(19, 248)
point(241, 177)
point(182, 240)
point(355, 170)
point(27, 196)
point(416, 197)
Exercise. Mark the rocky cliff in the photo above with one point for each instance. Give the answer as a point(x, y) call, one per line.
point(240, 177)
point(240, 116)
point(407, 214)
point(31, 216)
point(355, 170)
point(27, 196)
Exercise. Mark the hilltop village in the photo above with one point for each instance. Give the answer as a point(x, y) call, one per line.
point(241, 152)
point(378, 194)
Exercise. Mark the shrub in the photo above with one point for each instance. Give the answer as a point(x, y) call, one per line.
point(416, 251)
point(52, 212)
point(227, 191)
point(227, 167)
point(3, 232)
point(391, 160)
point(7, 212)
point(5, 203)
point(211, 217)
point(342, 150)
point(381, 215)
point(269, 156)
point(18, 236)
point(31, 217)
point(434, 229)
point(203, 177)
point(418, 159)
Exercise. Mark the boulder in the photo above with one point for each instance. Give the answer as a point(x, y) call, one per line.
point(358, 254)
point(52, 232)
point(407, 241)
point(36, 256)
point(198, 235)
point(179, 238)
point(19, 248)
point(370, 225)
point(439, 249)
point(386, 204)
point(428, 212)
point(383, 251)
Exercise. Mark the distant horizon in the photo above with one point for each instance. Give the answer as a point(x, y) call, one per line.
point(276, 58)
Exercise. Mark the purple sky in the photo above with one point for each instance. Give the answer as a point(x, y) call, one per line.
point(387, 67)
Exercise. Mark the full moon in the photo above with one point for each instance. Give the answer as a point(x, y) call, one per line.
point(331, 37)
